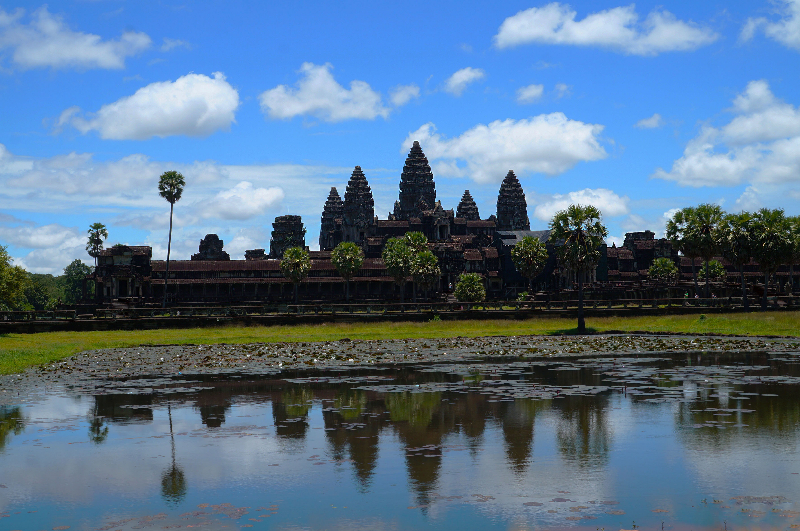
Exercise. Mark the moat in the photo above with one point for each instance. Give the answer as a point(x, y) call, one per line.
point(675, 441)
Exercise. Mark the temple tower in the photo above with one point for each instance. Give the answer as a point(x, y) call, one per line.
point(211, 249)
point(417, 189)
point(287, 232)
point(330, 232)
point(358, 208)
point(467, 208)
point(512, 209)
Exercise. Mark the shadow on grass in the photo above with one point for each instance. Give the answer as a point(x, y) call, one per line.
point(573, 332)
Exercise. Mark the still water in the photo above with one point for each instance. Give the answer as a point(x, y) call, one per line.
point(679, 442)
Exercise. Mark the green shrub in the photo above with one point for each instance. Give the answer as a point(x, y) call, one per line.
point(469, 288)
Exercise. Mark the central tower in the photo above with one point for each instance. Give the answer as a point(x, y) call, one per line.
point(417, 189)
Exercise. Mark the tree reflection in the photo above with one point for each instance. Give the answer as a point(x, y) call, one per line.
point(582, 432)
point(518, 423)
point(173, 480)
point(11, 423)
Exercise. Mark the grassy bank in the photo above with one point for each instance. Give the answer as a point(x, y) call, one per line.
point(18, 351)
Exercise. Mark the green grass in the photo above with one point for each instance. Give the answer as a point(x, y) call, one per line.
point(18, 351)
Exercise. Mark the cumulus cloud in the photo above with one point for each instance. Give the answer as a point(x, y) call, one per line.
point(653, 122)
point(37, 237)
point(318, 94)
point(243, 201)
point(609, 203)
point(458, 82)
point(529, 94)
point(548, 143)
point(46, 41)
point(760, 144)
point(402, 94)
point(192, 105)
point(785, 30)
point(618, 29)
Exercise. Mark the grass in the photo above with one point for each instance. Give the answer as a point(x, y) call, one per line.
point(18, 351)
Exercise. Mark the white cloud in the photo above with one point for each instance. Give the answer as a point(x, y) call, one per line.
point(47, 42)
point(750, 199)
point(609, 203)
point(529, 94)
point(653, 122)
point(548, 143)
point(243, 201)
point(457, 83)
point(618, 29)
point(562, 90)
point(192, 105)
point(402, 94)
point(786, 30)
point(761, 144)
point(318, 94)
point(169, 44)
point(37, 237)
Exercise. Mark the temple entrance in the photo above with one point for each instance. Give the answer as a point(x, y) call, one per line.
point(122, 288)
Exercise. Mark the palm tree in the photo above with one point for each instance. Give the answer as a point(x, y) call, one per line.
point(97, 234)
point(679, 232)
point(347, 258)
point(794, 222)
point(295, 266)
point(701, 230)
point(170, 187)
point(529, 256)
point(397, 258)
point(582, 233)
point(735, 238)
point(773, 243)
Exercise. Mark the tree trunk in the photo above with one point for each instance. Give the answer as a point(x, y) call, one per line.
point(296, 287)
point(694, 276)
point(766, 288)
point(414, 287)
point(581, 322)
point(745, 300)
point(347, 289)
point(707, 282)
point(169, 247)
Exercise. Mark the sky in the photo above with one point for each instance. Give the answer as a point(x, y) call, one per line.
point(639, 109)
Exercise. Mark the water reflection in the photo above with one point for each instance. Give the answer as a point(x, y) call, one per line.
point(524, 444)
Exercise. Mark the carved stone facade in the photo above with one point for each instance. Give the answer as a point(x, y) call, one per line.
point(467, 209)
point(359, 208)
point(287, 232)
point(512, 209)
point(211, 249)
point(417, 189)
point(330, 232)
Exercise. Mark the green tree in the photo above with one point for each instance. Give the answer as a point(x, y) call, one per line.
point(663, 270)
point(418, 244)
point(295, 266)
point(702, 231)
point(714, 270)
point(773, 243)
point(347, 258)
point(529, 256)
point(794, 223)
point(580, 232)
point(416, 241)
point(170, 187)
point(73, 279)
point(13, 282)
point(97, 235)
point(679, 232)
point(469, 288)
point(397, 258)
point(425, 271)
point(736, 240)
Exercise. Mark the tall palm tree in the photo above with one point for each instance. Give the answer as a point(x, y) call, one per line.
point(97, 234)
point(581, 231)
point(678, 231)
point(735, 237)
point(773, 243)
point(170, 187)
point(702, 228)
point(295, 266)
point(794, 222)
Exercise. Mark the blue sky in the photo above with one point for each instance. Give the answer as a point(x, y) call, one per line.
point(639, 109)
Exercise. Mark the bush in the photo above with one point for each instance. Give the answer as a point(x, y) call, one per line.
point(469, 288)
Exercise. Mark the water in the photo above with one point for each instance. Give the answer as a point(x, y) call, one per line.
point(601, 443)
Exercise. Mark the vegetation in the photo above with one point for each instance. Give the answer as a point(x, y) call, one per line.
point(735, 239)
point(679, 231)
point(663, 270)
point(18, 351)
point(13, 282)
point(73, 280)
point(347, 258)
point(582, 233)
point(425, 271)
point(97, 235)
point(469, 288)
point(170, 187)
point(397, 258)
point(702, 231)
point(714, 270)
point(773, 243)
point(295, 266)
point(529, 256)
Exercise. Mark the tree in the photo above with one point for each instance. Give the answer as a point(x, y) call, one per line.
point(529, 256)
point(13, 282)
point(581, 231)
point(736, 240)
point(97, 234)
point(663, 270)
point(773, 243)
point(794, 223)
point(469, 288)
point(397, 258)
point(416, 241)
point(702, 229)
point(295, 266)
point(170, 187)
point(347, 258)
point(73, 279)
point(425, 271)
point(714, 270)
point(678, 231)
